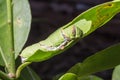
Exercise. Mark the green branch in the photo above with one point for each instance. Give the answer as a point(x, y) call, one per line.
point(11, 68)
point(20, 68)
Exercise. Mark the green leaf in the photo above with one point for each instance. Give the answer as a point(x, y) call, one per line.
point(76, 68)
point(116, 0)
point(68, 76)
point(22, 22)
point(116, 73)
point(103, 60)
point(71, 33)
point(98, 15)
point(71, 76)
point(29, 74)
point(38, 56)
point(91, 77)
point(13, 40)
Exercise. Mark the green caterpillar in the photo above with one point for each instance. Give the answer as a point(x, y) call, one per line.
point(65, 37)
point(57, 42)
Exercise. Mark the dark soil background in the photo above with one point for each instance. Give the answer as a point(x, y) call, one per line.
point(49, 15)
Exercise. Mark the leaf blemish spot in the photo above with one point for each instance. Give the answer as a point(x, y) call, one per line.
point(109, 5)
point(19, 21)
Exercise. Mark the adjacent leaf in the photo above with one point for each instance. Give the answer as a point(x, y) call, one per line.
point(22, 22)
point(92, 77)
point(103, 60)
point(116, 0)
point(69, 34)
point(22, 19)
point(116, 73)
point(76, 68)
point(68, 76)
point(29, 74)
point(71, 76)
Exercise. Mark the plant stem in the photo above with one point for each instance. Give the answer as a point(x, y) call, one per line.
point(4, 76)
point(11, 67)
point(20, 68)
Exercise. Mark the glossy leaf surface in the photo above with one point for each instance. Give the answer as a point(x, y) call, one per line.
point(68, 76)
point(76, 68)
point(103, 60)
point(116, 73)
point(91, 77)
